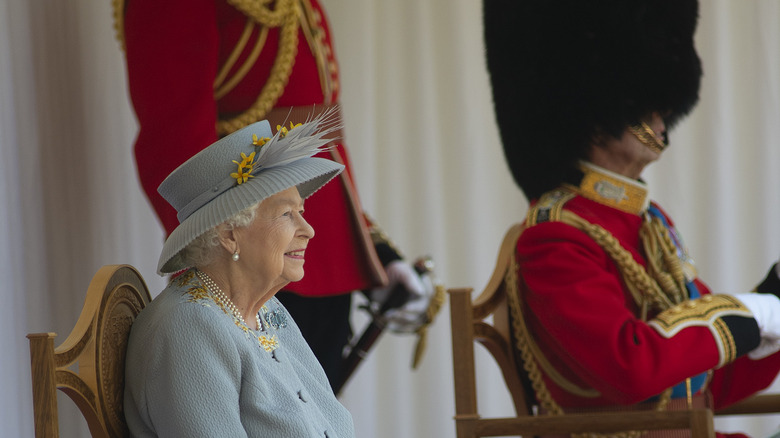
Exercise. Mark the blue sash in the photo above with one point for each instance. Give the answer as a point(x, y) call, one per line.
point(697, 382)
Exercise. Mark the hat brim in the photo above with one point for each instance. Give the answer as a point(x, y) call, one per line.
point(308, 174)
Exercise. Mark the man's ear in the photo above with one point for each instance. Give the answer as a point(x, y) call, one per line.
point(600, 138)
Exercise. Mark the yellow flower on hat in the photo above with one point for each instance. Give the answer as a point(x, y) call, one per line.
point(259, 141)
point(246, 161)
point(244, 168)
point(283, 130)
point(241, 176)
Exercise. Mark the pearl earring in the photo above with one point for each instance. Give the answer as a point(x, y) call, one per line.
point(235, 256)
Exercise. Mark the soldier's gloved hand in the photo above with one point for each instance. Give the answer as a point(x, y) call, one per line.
point(410, 315)
point(766, 311)
point(401, 272)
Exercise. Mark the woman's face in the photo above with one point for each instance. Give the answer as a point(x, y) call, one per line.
point(272, 247)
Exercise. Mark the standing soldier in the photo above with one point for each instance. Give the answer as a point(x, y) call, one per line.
point(201, 69)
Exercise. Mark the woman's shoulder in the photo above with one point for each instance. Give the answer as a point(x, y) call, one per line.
point(184, 305)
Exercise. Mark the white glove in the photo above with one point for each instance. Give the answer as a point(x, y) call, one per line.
point(766, 311)
point(411, 315)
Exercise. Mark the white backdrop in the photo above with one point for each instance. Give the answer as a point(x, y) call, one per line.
point(427, 160)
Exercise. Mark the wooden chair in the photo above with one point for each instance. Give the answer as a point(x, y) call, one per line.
point(471, 321)
point(96, 346)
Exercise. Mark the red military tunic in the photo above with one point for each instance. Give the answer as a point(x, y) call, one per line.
point(198, 69)
point(596, 350)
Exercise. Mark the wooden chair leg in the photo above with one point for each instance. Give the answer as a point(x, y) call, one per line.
point(44, 385)
point(463, 352)
point(461, 318)
point(702, 424)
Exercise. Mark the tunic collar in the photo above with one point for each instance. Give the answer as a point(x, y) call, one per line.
point(611, 189)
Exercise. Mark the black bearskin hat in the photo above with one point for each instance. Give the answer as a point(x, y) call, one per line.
point(563, 71)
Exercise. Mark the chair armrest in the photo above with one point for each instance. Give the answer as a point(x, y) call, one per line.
point(699, 420)
point(758, 404)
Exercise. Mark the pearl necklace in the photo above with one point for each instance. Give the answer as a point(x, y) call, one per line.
point(223, 299)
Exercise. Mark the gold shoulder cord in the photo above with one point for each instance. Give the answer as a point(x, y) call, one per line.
point(644, 289)
point(532, 356)
point(260, 12)
point(285, 16)
point(663, 263)
point(254, 9)
point(660, 286)
point(222, 84)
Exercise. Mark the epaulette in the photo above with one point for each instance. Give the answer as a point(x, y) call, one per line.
point(549, 207)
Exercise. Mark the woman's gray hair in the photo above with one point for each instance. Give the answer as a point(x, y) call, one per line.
point(204, 249)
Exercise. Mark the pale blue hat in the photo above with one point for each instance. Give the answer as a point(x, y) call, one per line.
point(240, 170)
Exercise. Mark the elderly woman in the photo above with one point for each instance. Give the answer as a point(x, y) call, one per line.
point(215, 354)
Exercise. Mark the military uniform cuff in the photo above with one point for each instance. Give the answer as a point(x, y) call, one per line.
point(731, 323)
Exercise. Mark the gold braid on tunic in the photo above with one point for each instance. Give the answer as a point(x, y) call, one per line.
point(657, 288)
point(287, 15)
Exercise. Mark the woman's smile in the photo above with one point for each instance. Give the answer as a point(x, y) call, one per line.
point(296, 254)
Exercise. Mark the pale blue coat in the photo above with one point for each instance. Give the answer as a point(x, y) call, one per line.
point(192, 371)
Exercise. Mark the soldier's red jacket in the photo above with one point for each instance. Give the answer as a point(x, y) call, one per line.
point(199, 69)
point(582, 300)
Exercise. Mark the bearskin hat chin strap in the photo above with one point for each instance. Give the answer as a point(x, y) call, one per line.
point(648, 137)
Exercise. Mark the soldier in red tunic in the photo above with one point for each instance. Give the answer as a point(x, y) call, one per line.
point(613, 312)
point(201, 69)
